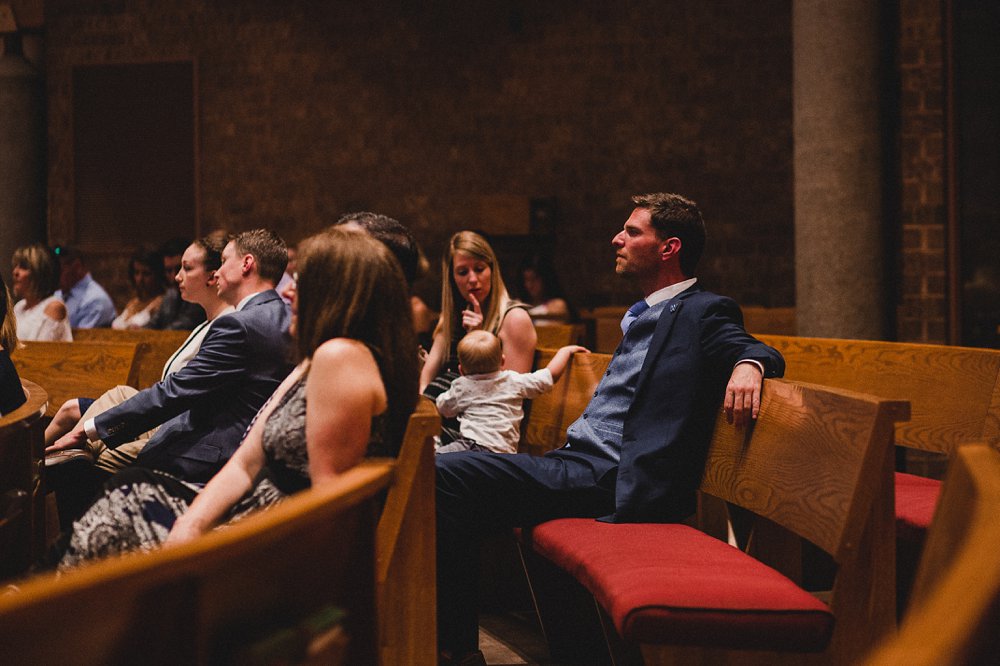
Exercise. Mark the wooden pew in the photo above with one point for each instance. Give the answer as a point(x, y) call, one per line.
point(554, 336)
point(405, 569)
point(22, 515)
point(161, 345)
point(551, 413)
point(817, 466)
point(954, 393)
point(78, 369)
point(956, 599)
point(202, 602)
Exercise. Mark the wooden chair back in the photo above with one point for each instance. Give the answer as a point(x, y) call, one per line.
point(554, 336)
point(405, 568)
point(161, 345)
point(551, 413)
point(210, 599)
point(954, 392)
point(775, 321)
point(22, 501)
point(78, 369)
point(817, 465)
point(955, 609)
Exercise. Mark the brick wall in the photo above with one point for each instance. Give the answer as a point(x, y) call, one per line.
point(922, 316)
point(308, 109)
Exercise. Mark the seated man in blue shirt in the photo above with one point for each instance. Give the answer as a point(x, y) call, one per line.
point(637, 452)
point(88, 304)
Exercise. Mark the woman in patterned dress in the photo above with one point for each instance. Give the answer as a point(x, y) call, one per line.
point(350, 396)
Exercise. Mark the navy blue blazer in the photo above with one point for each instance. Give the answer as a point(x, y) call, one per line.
point(204, 408)
point(699, 338)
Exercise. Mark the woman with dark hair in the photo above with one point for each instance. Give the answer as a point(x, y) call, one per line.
point(11, 393)
point(349, 397)
point(41, 315)
point(540, 288)
point(196, 282)
point(145, 274)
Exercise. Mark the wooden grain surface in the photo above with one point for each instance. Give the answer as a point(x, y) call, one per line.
point(161, 345)
point(955, 609)
point(178, 605)
point(954, 392)
point(78, 369)
point(551, 413)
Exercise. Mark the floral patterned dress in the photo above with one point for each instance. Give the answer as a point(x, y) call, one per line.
point(139, 506)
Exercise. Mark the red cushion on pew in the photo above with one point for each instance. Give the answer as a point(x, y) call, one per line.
point(666, 583)
point(916, 497)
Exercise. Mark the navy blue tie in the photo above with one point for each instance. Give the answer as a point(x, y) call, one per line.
point(633, 313)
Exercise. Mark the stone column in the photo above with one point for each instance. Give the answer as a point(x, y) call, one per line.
point(838, 177)
point(22, 155)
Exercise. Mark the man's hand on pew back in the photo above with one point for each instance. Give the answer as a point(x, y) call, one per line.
point(742, 403)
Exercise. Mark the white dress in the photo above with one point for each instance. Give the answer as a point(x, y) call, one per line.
point(34, 324)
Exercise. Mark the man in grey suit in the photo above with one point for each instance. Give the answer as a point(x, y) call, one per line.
point(202, 410)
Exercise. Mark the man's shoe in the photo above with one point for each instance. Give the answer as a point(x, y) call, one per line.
point(68, 455)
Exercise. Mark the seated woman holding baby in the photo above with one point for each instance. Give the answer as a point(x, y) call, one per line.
point(349, 397)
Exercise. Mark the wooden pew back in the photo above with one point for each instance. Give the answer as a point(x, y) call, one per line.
point(551, 413)
point(161, 345)
point(956, 600)
point(406, 548)
point(201, 602)
point(817, 463)
point(554, 336)
point(22, 523)
point(954, 392)
point(78, 369)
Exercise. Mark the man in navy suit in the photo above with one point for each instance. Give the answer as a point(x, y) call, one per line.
point(637, 452)
point(203, 409)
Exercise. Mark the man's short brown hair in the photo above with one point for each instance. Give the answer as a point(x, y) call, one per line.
point(268, 250)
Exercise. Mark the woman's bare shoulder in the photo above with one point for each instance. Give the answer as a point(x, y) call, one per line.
point(55, 310)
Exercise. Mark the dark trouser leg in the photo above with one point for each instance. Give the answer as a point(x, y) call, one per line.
point(483, 493)
point(76, 484)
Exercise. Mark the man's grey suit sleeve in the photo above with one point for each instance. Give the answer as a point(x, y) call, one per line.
point(221, 361)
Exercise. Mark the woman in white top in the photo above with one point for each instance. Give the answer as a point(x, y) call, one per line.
point(146, 277)
point(196, 281)
point(40, 315)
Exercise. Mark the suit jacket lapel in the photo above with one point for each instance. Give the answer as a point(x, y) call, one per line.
point(664, 325)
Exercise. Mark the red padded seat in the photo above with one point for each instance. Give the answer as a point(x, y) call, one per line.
point(671, 584)
point(916, 497)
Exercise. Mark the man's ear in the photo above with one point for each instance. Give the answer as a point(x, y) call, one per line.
point(248, 264)
point(671, 247)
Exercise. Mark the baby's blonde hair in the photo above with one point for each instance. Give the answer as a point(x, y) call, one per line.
point(480, 352)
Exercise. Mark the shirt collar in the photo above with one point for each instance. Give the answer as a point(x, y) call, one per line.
point(669, 292)
point(246, 299)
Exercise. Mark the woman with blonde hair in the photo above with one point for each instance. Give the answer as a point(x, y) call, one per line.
point(11, 393)
point(474, 297)
point(349, 397)
point(40, 314)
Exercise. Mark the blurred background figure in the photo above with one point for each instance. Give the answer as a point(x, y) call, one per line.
point(41, 314)
point(11, 393)
point(540, 288)
point(175, 313)
point(88, 303)
point(288, 278)
point(146, 275)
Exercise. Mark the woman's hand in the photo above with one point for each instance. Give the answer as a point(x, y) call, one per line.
point(472, 319)
point(183, 531)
